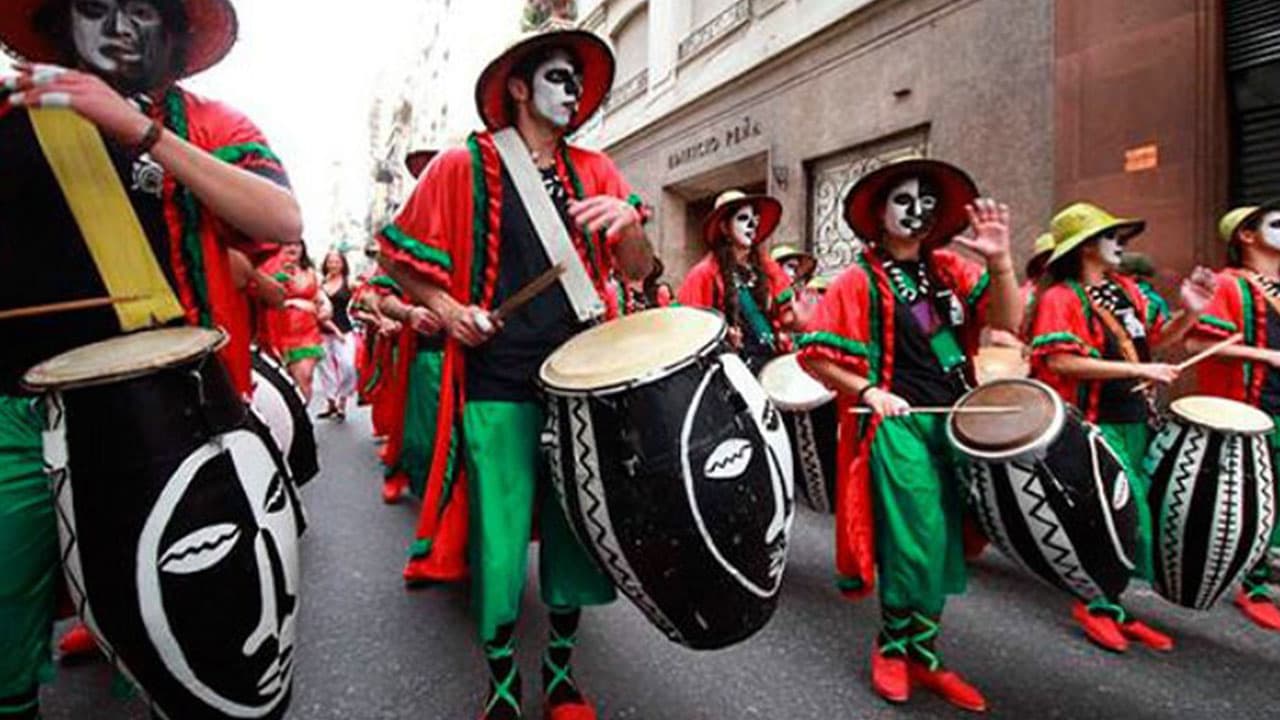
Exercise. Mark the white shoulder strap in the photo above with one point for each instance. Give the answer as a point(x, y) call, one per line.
point(586, 302)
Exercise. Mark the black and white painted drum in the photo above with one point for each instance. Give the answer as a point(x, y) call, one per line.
point(809, 411)
point(1212, 498)
point(177, 529)
point(674, 471)
point(1046, 489)
point(279, 404)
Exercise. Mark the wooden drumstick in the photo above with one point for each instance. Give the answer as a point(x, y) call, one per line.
point(946, 410)
point(1198, 357)
point(68, 306)
point(526, 294)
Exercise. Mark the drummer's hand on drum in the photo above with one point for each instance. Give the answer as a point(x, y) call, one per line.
point(472, 325)
point(885, 403)
point(425, 321)
point(734, 336)
point(1161, 373)
point(1197, 290)
point(51, 86)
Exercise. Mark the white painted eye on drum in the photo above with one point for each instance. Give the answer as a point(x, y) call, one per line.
point(729, 460)
point(200, 550)
point(1120, 493)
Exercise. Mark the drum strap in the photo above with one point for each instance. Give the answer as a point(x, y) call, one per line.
point(1125, 343)
point(106, 218)
point(1268, 289)
point(547, 223)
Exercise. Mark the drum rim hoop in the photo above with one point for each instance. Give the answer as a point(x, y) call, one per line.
point(125, 376)
point(1037, 445)
point(828, 396)
point(634, 383)
point(1180, 417)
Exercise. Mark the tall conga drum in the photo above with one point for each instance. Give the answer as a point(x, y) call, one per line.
point(1212, 498)
point(674, 471)
point(279, 404)
point(1046, 489)
point(809, 411)
point(177, 529)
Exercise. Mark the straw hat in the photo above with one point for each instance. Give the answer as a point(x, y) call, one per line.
point(786, 251)
point(1081, 222)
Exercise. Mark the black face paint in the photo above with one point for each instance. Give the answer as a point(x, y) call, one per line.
point(124, 41)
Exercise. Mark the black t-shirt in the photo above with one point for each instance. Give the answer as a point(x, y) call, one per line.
point(1270, 399)
point(340, 301)
point(918, 377)
point(506, 367)
point(44, 257)
point(1118, 403)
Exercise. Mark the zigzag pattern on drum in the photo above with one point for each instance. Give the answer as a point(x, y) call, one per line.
point(1055, 544)
point(595, 513)
point(811, 464)
point(981, 486)
point(1185, 469)
point(1225, 537)
point(1266, 499)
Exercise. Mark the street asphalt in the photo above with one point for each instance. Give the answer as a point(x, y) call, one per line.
point(370, 650)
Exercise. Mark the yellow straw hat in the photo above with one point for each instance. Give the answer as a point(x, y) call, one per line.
point(1081, 222)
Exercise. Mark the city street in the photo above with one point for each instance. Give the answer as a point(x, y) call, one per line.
point(370, 650)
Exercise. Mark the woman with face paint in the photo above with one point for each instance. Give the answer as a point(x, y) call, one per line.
point(1093, 337)
point(483, 222)
point(294, 329)
point(898, 329)
point(1247, 300)
point(739, 279)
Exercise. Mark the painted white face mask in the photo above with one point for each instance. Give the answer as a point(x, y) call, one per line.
point(1269, 227)
point(121, 39)
point(1110, 249)
point(792, 269)
point(557, 89)
point(909, 208)
point(745, 226)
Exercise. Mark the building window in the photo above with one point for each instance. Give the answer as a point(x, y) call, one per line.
point(830, 178)
point(631, 43)
point(1253, 68)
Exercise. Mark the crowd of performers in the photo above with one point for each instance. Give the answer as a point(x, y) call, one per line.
point(161, 209)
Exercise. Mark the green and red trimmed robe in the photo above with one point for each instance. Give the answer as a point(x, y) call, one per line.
point(854, 328)
point(704, 287)
point(449, 233)
point(1239, 305)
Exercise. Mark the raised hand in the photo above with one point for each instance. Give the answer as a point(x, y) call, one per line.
point(1197, 290)
point(51, 86)
point(988, 233)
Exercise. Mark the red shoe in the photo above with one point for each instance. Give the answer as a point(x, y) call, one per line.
point(1261, 610)
point(570, 711)
point(78, 642)
point(1103, 630)
point(889, 676)
point(393, 487)
point(949, 686)
point(425, 571)
point(1147, 635)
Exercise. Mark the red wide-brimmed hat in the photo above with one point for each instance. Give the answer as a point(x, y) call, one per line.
point(864, 205)
point(727, 204)
point(418, 160)
point(212, 25)
point(595, 59)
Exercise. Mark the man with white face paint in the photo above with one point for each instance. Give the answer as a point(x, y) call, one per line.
point(1247, 300)
point(738, 278)
point(1094, 335)
point(900, 329)
point(116, 181)
point(531, 97)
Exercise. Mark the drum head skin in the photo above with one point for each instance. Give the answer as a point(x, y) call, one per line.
point(631, 351)
point(1222, 414)
point(791, 388)
point(1008, 434)
point(123, 357)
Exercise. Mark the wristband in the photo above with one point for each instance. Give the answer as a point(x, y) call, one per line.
point(149, 139)
point(862, 394)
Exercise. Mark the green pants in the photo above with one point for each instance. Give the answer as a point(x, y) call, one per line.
point(919, 514)
point(1274, 438)
point(422, 406)
point(1129, 441)
point(507, 476)
point(28, 554)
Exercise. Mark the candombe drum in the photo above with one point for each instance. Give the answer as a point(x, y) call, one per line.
point(674, 471)
point(1046, 489)
point(279, 404)
point(1212, 499)
point(809, 411)
point(176, 526)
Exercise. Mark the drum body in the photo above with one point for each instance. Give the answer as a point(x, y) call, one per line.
point(1047, 490)
point(278, 403)
point(1212, 498)
point(178, 531)
point(677, 481)
point(809, 411)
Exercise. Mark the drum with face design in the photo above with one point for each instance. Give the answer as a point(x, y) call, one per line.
point(176, 522)
point(809, 411)
point(674, 471)
point(1212, 498)
point(279, 404)
point(1046, 489)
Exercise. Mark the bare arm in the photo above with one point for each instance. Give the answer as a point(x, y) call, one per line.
point(1004, 311)
point(255, 283)
point(847, 382)
point(1197, 344)
point(471, 326)
point(1087, 368)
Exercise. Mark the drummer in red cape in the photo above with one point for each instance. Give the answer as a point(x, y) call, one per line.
point(1093, 336)
point(193, 177)
point(738, 278)
point(1247, 301)
point(899, 329)
point(483, 222)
